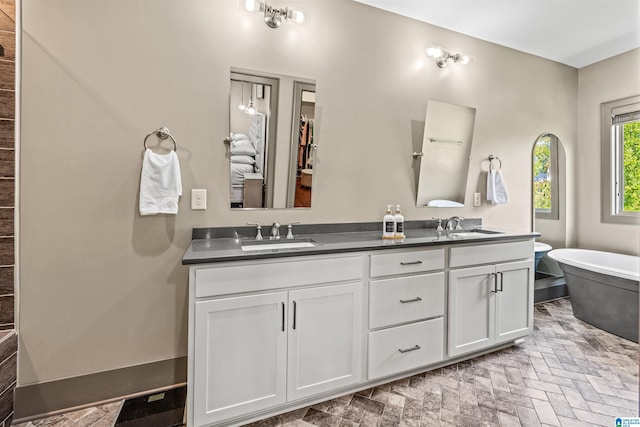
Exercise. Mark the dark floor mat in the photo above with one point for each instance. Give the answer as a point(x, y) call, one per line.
point(163, 409)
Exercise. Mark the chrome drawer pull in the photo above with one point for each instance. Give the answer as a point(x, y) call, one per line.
point(417, 347)
point(411, 263)
point(416, 299)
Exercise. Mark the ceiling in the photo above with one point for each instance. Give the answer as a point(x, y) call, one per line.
point(573, 32)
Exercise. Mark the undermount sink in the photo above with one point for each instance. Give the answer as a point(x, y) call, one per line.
point(474, 233)
point(270, 245)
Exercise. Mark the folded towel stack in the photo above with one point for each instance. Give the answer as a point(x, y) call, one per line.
point(160, 183)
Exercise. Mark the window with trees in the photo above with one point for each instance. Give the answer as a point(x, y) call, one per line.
point(621, 161)
point(545, 177)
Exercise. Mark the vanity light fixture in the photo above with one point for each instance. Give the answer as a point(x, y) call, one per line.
point(442, 55)
point(273, 17)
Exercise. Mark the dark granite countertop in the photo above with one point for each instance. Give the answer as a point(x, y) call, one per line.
point(211, 245)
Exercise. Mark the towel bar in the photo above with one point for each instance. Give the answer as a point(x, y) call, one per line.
point(162, 133)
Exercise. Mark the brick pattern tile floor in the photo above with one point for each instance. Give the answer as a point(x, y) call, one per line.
point(567, 373)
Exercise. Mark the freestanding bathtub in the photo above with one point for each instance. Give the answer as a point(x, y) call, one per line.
point(603, 287)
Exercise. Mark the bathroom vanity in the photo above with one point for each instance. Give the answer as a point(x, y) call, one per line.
point(273, 330)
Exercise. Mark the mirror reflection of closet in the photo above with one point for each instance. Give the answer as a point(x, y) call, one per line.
point(549, 196)
point(252, 115)
point(302, 156)
point(272, 157)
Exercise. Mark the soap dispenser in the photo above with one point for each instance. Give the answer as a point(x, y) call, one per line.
point(388, 225)
point(398, 220)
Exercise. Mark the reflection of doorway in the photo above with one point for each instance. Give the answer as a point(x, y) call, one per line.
point(252, 169)
point(303, 146)
point(549, 213)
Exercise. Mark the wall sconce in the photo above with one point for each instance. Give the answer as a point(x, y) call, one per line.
point(273, 17)
point(441, 56)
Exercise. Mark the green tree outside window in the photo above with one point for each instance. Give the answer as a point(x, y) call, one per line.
point(631, 162)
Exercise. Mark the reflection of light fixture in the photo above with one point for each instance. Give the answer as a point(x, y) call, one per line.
point(441, 56)
point(251, 109)
point(242, 106)
point(273, 16)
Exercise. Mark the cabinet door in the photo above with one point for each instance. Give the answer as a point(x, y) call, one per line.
point(514, 300)
point(325, 339)
point(239, 356)
point(471, 309)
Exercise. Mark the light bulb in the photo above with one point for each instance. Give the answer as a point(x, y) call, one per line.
point(250, 5)
point(434, 52)
point(242, 106)
point(297, 16)
point(464, 60)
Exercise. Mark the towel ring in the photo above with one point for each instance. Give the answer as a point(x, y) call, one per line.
point(492, 158)
point(162, 133)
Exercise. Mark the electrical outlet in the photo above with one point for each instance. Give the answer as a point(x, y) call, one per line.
point(477, 201)
point(198, 199)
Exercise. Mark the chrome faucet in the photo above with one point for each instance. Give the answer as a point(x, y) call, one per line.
point(275, 231)
point(454, 219)
point(258, 230)
point(290, 229)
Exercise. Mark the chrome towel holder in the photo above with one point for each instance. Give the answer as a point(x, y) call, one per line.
point(492, 158)
point(162, 133)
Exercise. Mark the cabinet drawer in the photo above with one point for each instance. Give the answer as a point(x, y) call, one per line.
point(407, 347)
point(405, 299)
point(406, 262)
point(491, 253)
point(236, 277)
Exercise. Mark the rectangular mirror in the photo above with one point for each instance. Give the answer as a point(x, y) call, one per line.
point(446, 147)
point(271, 157)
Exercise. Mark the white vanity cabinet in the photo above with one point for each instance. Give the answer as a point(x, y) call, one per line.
point(240, 356)
point(406, 323)
point(275, 334)
point(491, 303)
point(266, 348)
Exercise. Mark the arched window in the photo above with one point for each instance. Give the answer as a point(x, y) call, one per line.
point(545, 176)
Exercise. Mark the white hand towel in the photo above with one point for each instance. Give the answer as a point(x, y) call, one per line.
point(496, 188)
point(160, 183)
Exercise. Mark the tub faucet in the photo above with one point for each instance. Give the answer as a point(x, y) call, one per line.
point(275, 231)
point(454, 219)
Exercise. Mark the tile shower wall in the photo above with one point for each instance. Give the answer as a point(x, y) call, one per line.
point(7, 161)
point(8, 339)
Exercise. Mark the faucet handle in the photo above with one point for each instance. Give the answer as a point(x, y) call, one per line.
point(275, 230)
point(439, 223)
point(290, 229)
point(459, 223)
point(258, 230)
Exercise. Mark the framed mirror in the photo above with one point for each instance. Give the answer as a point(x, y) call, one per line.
point(272, 142)
point(444, 160)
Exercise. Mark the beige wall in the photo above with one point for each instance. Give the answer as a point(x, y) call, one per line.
point(604, 81)
point(102, 287)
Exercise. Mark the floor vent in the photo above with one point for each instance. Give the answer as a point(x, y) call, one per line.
point(162, 409)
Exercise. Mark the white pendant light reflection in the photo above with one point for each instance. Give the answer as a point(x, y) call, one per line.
point(242, 107)
point(251, 109)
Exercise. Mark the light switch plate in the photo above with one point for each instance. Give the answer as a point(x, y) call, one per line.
point(198, 199)
point(477, 201)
